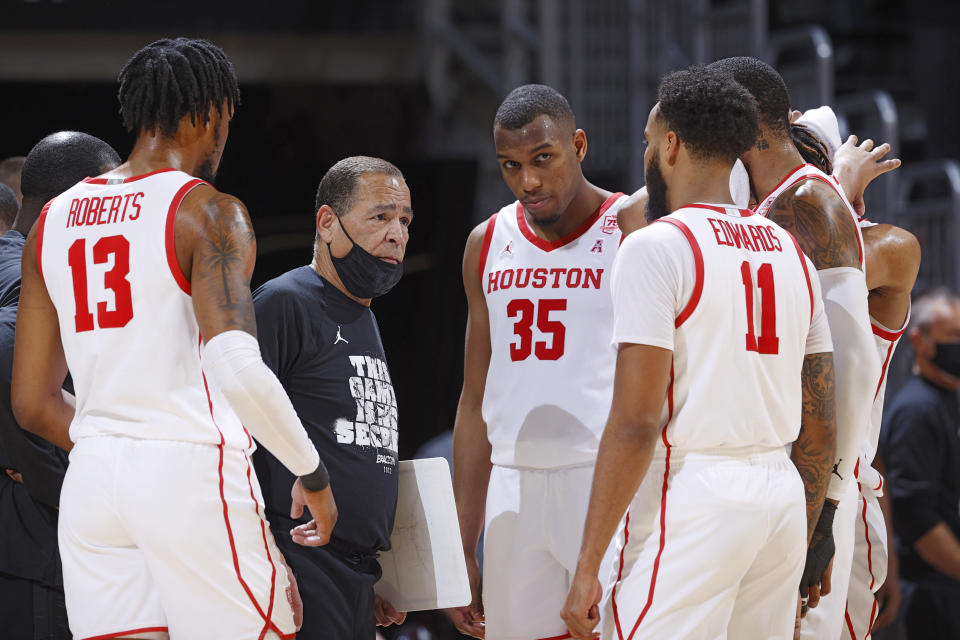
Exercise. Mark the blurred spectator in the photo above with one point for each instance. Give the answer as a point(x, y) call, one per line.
point(921, 446)
point(9, 207)
point(10, 174)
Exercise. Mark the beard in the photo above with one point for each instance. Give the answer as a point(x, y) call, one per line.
point(207, 171)
point(656, 192)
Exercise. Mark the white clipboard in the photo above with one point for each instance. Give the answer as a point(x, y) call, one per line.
point(425, 567)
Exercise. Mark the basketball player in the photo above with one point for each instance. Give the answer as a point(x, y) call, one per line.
point(538, 373)
point(809, 204)
point(892, 259)
point(138, 281)
point(724, 357)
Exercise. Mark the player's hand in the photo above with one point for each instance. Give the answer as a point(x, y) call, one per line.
point(293, 595)
point(581, 611)
point(386, 614)
point(888, 598)
point(15, 476)
point(322, 507)
point(469, 620)
point(855, 166)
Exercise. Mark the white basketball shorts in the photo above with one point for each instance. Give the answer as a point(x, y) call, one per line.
point(712, 547)
point(869, 570)
point(168, 536)
point(534, 526)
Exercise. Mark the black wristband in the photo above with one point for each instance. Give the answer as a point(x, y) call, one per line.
point(318, 480)
point(825, 523)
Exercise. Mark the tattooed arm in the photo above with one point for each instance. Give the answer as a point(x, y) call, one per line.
point(813, 451)
point(216, 248)
point(820, 222)
point(824, 227)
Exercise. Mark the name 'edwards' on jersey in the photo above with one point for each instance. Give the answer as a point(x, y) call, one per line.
point(550, 379)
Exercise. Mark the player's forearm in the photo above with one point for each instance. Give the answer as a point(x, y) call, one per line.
point(855, 365)
point(815, 447)
point(940, 549)
point(232, 360)
point(626, 450)
point(471, 472)
point(47, 416)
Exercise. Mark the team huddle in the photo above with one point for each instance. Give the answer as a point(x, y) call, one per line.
point(671, 399)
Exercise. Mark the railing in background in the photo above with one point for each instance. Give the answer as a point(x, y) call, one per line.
point(804, 57)
point(873, 114)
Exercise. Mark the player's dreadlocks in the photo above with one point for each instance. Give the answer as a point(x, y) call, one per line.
point(811, 148)
point(169, 79)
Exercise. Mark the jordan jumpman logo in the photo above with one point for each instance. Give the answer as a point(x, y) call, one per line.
point(340, 338)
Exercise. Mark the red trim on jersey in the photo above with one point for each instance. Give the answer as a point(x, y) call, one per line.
point(663, 528)
point(41, 221)
point(886, 334)
point(806, 272)
point(563, 637)
point(226, 519)
point(485, 247)
point(866, 533)
point(550, 245)
point(698, 263)
point(846, 616)
point(613, 601)
point(883, 370)
point(130, 179)
point(118, 634)
point(780, 184)
point(168, 236)
point(266, 547)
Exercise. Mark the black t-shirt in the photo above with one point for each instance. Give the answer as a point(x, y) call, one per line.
point(11, 252)
point(921, 448)
point(325, 348)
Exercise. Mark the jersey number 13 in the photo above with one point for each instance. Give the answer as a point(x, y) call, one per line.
point(115, 279)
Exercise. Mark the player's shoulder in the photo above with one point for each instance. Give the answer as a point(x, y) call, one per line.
point(892, 241)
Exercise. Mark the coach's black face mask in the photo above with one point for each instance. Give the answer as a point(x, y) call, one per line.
point(364, 274)
point(947, 357)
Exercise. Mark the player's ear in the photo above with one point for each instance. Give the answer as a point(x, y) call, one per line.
point(326, 221)
point(580, 144)
point(671, 149)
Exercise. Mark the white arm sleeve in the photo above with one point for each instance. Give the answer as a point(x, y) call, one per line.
point(232, 360)
point(818, 338)
point(856, 366)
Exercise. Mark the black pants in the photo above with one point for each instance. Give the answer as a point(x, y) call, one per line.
point(31, 611)
point(337, 591)
point(931, 611)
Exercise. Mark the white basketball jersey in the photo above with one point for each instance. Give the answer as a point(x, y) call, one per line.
point(106, 253)
point(550, 379)
point(810, 172)
point(739, 317)
point(886, 340)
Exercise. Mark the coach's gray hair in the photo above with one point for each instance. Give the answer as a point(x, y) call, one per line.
point(339, 184)
point(923, 314)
